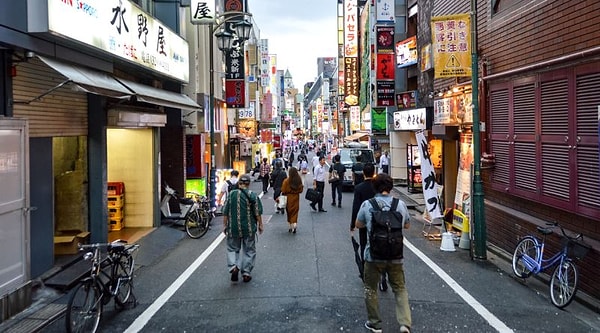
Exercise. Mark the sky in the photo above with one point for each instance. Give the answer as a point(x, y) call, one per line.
point(299, 32)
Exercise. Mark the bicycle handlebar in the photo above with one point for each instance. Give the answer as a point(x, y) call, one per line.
point(555, 224)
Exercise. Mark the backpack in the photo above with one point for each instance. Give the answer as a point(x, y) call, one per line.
point(385, 237)
point(231, 186)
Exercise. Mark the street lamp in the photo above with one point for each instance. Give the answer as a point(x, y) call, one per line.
point(242, 29)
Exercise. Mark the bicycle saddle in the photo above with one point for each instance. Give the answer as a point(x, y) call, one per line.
point(544, 231)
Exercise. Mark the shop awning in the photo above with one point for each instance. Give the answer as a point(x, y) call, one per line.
point(148, 94)
point(356, 136)
point(89, 80)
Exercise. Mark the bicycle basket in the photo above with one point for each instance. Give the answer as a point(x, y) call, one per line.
point(576, 249)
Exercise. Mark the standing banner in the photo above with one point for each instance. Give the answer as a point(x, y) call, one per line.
point(462, 198)
point(451, 37)
point(430, 186)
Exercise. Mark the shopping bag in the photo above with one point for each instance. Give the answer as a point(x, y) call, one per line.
point(312, 195)
point(281, 202)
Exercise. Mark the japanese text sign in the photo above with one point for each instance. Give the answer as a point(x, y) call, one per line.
point(203, 12)
point(350, 28)
point(430, 186)
point(451, 45)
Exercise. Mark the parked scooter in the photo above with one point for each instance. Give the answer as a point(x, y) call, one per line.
point(194, 219)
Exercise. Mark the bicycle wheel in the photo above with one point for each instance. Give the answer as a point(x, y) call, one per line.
point(563, 284)
point(525, 257)
point(196, 224)
point(84, 308)
point(123, 277)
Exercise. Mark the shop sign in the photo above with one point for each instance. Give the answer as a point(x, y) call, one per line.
point(350, 28)
point(385, 66)
point(235, 93)
point(406, 100)
point(385, 11)
point(410, 120)
point(406, 52)
point(379, 120)
point(451, 45)
point(426, 63)
point(202, 12)
point(351, 81)
point(120, 28)
point(385, 39)
point(354, 118)
point(385, 93)
point(264, 62)
point(430, 186)
point(453, 110)
point(246, 113)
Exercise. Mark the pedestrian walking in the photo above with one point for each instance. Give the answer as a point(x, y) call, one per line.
point(375, 266)
point(265, 170)
point(229, 185)
point(336, 175)
point(242, 219)
point(292, 187)
point(357, 171)
point(384, 163)
point(315, 161)
point(319, 183)
point(256, 163)
point(363, 191)
point(277, 177)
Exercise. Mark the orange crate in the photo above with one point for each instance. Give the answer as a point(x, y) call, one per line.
point(116, 188)
point(116, 212)
point(116, 200)
point(116, 224)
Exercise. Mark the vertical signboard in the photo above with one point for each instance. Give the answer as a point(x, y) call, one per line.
point(235, 83)
point(203, 12)
point(351, 74)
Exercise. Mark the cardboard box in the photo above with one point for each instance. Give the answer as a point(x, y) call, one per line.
point(66, 242)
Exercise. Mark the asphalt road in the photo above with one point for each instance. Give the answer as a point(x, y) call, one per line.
point(308, 282)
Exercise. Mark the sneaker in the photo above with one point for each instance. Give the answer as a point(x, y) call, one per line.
point(246, 278)
point(372, 328)
point(235, 274)
point(404, 329)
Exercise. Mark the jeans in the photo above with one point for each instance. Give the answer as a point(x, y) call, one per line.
point(336, 187)
point(234, 245)
point(395, 273)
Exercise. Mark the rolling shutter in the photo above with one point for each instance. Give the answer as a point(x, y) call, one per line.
point(62, 112)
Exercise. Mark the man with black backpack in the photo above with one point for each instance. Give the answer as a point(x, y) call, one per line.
point(229, 185)
point(384, 217)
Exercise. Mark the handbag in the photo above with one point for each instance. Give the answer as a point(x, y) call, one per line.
point(333, 176)
point(281, 201)
point(312, 195)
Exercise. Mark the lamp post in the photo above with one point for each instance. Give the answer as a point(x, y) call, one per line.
point(225, 40)
point(478, 208)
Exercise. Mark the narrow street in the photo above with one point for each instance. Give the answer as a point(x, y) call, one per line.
point(308, 282)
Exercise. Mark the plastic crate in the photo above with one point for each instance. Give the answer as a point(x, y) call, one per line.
point(116, 212)
point(116, 200)
point(116, 188)
point(116, 224)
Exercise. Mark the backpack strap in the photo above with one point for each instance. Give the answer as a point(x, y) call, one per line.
point(375, 204)
point(395, 202)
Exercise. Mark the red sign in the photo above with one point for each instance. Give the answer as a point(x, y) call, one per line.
point(276, 141)
point(385, 66)
point(235, 93)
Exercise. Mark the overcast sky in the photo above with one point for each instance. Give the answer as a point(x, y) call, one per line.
point(299, 32)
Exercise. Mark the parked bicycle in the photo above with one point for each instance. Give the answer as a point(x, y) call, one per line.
point(111, 277)
point(529, 259)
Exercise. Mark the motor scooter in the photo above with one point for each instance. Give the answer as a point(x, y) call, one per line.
point(191, 216)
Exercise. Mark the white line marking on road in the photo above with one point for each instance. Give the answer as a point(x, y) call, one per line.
point(145, 317)
point(483, 312)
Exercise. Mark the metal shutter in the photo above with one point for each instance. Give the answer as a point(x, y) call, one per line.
point(525, 165)
point(499, 115)
point(588, 100)
point(63, 112)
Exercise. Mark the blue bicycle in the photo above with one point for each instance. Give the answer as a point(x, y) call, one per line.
point(529, 259)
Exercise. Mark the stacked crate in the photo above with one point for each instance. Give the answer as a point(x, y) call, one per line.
point(116, 205)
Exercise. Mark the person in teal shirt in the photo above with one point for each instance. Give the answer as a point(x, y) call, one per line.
point(241, 221)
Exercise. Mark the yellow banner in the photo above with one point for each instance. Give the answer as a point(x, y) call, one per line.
point(451, 37)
